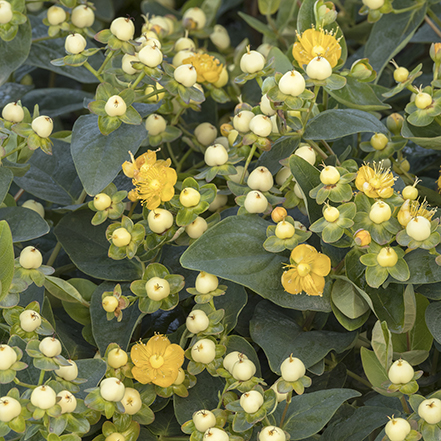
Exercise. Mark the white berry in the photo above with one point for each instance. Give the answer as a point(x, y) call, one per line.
point(397, 429)
point(197, 321)
point(7, 357)
point(319, 69)
point(112, 389)
point(13, 112)
point(151, 56)
point(122, 28)
point(34, 206)
point(260, 179)
point(272, 433)
point(255, 202)
point(307, 153)
point(189, 197)
point(292, 369)
point(68, 373)
point(329, 175)
point(115, 106)
point(241, 122)
point(243, 369)
point(186, 75)
point(43, 126)
point(30, 320)
point(203, 420)
point(30, 258)
point(155, 124)
point(102, 201)
point(232, 358)
point(380, 212)
point(121, 237)
point(10, 408)
point(56, 15)
point(194, 18)
point(5, 12)
point(159, 220)
point(43, 397)
point(82, 16)
point(292, 83)
point(131, 401)
point(261, 126)
point(157, 289)
point(68, 402)
point(251, 401)
point(216, 155)
point(197, 228)
point(418, 228)
point(50, 347)
point(252, 62)
point(205, 133)
point(206, 282)
point(430, 410)
point(203, 351)
point(75, 44)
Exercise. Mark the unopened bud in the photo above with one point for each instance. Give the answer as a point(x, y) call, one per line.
point(394, 123)
point(362, 238)
point(225, 129)
point(362, 70)
point(325, 13)
point(435, 52)
point(278, 214)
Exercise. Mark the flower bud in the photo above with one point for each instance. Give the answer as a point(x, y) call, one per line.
point(326, 13)
point(435, 52)
point(278, 214)
point(252, 62)
point(394, 123)
point(404, 216)
point(362, 238)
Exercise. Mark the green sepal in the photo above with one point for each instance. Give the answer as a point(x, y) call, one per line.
point(98, 107)
point(108, 124)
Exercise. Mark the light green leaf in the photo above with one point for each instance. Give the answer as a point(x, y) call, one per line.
point(347, 299)
point(433, 320)
point(382, 344)
point(6, 259)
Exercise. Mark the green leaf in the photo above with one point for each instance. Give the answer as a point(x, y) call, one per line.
point(233, 250)
point(268, 7)
point(87, 246)
point(6, 177)
point(258, 25)
point(279, 336)
point(282, 148)
point(63, 290)
point(419, 338)
point(98, 166)
point(433, 320)
point(233, 301)
point(357, 95)
point(110, 331)
point(389, 35)
point(347, 299)
point(307, 414)
point(428, 137)
point(6, 259)
point(204, 395)
point(382, 344)
point(53, 177)
point(423, 268)
point(25, 224)
point(15, 52)
point(375, 372)
point(281, 61)
point(336, 123)
point(308, 177)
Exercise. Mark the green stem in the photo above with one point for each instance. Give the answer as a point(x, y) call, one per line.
point(20, 383)
point(54, 254)
point(318, 150)
point(309, 319)
point(37, 40)
point(434, 17)
point(93, 71)
point(359, 379)
point(247, 163)
point(19, 147)
point(410, 8)
point(405, 405)
point(172, 155)
point(108, 58)
point(138, 80)
point(41, 378)
point(81, 198)
point(5, 327)
point(311, 106)
point(329, 149)
point(182, 160)
point(432, 25)
point(64, 269)
point(288, 400)
point(219, 404)
point(132, 209)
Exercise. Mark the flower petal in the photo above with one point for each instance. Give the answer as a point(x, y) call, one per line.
point(140, 354)
point(303, 253)
point(158, 344)
point(313, 284)
point(144, 374)
point(321, 265)
point(291, 281)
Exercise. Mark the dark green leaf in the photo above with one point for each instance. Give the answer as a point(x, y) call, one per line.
point(6, 177)
point(428, 137)
point(258, 25)
point(25, 224)
point(6, 259)
point(433, 320)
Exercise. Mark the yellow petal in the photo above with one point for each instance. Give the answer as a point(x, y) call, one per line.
point(140, 354)
point(303, 253)
point(291, 281)
point(321, 265)
point(158, 344)
point(313, 285)
point(143, 374)
point(174, 356)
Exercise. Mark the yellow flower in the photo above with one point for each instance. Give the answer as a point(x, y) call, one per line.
point(316, 42)
point(421, 209)
point(375, 182)
point(439, 182)
point(157, 362)
point(207, 67)
point(308, 271)
point(153, 178)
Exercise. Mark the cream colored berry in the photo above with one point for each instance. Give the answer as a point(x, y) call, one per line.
point(151, 56)
point(102, 201)
point(220, 38)
point(419, 228)
point(30, 258)
point(205, 133)
point(178, 59)
point(121, 237)
point(239, 171)
point(204, 420)
point(162, 23)
point(252, 62)
point(189, 197)
point(265, 106)
point(255, 202)
point(159, 220)
point(194, 18)
point(75, 44)
point(243, 370)
point(184, 43)
point(206, 282)
point(126, 64)
point(292, 369)
point(186, 75)
point(216, 155)
point(410, 192)
point(231, 359)
point(282, 175)
point(380, 212)
point(5, 12)
point(423, 100)
point(43, 126)
point(82, 16)
point(30, 320)
point(319, 69)
point(67, 402)
point(292, 83)
point(43, 397)
point(110, 303)
point(223, 78)
point(298, 191)
point(261, 126)
point(69, 372)
point(430, 410)
point(397, 429)
point(219, 201)
point(379, 141)
point(284, 230)
point(117, 358)
point(241, 122)
point(112, 389)
point(401, 74)
point(13, 112)
point(50, 347)
point(180, 378)
point(115, 436)
point(307, 153)
point(260, 179)
point(155, 124)
point(131, 401)
point(197, 321)
point(387, 257)
point(56, 15)
point(203, 351)
point(216, 434)
point(272, 433)
point(331, 214)
point(329, 175)
point(157, 289)
point(115, 106)
point(123, 28)
point(251, 401)
point(197, 228)
point(10, 408)
point(400, 372)
point(34, 206)
point(7, 357)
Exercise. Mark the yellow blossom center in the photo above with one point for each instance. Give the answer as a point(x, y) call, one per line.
point(375, 182)
point(155, 184)
point(156, 361)
point(318, 50)
point(303, 269)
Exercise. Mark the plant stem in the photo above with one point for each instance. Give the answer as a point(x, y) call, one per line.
point(54, 254)
point(172, 155)
point(318, 150)
point(405, 405)
point(19, 147)
point(138, 80)
point(311, 106)
point(359, 379)
point(309, 319)
point(64, 269)
point(329, 149)
point(434, 17)
point(93, 71)
point(182, 160)
point(37, 40)
point(41, 379)
point(132, 209)
point(410, 8)
point(432, 25)
point(108, 58)
point(288, 400)
point(20, 383)
point(247, 163)
point(219, 404)
point(81, 197)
